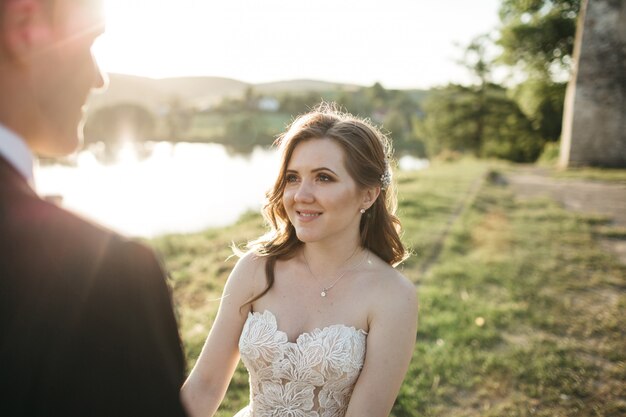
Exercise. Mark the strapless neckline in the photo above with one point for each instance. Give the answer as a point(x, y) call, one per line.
point(311, 377)
point(311, 333)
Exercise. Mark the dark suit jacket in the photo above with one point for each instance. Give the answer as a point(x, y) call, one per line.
point(86, 320)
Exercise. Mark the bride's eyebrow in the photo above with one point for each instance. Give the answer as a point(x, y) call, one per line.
point(314, 170)
point(323, 169)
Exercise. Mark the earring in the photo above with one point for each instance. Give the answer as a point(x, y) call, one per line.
point(362, 211)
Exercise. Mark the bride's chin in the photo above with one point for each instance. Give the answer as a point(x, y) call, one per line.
point(304, 237)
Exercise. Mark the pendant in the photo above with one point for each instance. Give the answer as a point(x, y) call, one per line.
point(323, 293)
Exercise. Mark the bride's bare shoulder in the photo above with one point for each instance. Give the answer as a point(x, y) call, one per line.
point(248, 271)
point(250, 260)
point(381, 274)
point(387, 287)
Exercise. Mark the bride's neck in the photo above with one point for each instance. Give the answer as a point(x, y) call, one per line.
point(327, 260)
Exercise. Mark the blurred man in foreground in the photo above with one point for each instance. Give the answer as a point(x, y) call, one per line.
point(86, 320)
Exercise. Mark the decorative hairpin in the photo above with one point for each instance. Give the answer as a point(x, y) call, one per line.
point(385, 179)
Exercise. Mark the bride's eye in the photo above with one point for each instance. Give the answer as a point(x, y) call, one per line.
point(290, 178)
point(324, 177)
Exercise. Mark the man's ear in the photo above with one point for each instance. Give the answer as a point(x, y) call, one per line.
point(25, 26)
point(369, 196)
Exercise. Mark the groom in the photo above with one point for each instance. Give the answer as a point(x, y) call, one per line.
point(86, 320)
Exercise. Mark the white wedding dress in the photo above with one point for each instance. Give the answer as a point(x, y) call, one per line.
point(311, 377)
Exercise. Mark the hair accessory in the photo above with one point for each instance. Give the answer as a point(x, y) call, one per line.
point(362, 211)
point(385, 179)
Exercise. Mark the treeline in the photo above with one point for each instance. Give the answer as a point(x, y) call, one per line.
point(519, 118)
point(516, 118)
point(254, 119)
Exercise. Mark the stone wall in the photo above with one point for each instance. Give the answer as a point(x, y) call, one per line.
point(594, 120)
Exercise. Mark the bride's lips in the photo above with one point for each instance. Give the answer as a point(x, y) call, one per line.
point(308, 215)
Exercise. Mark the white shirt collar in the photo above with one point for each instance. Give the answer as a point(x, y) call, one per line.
point(15, 150)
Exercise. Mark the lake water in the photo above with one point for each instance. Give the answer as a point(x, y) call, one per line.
point(177, 188)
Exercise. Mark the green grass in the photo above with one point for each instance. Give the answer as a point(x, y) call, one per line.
point(426, 202)
point(551, 302)
point(520, 315)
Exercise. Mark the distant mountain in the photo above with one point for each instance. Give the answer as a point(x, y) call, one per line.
point(195, 91)
point(301, 86)
point(154, 93)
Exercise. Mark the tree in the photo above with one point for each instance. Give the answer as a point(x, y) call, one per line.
point(537, 40)
point(542, 102)
point(480, 118)
point(485, 123)
point(125, 121)
point(177, 119)
point(245, 130)
point(537, 36)
point(402, 113)
point(295, 104)
point(476, 61)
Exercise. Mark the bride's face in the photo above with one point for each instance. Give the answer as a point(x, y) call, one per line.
point(320, 197)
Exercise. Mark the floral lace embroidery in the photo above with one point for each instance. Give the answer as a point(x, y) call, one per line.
point(311, 377)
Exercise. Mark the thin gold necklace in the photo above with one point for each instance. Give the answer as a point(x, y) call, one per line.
point(325, 290)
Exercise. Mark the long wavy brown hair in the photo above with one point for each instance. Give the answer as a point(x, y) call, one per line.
point(367, 156)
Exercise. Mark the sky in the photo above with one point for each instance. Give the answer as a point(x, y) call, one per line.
point(399, 43)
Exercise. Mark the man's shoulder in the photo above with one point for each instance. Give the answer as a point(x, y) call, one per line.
point(37, 219)
point(49, 234)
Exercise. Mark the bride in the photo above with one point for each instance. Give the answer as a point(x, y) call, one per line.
point(320, 318)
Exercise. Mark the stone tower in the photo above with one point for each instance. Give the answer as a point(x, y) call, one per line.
point(594, 118)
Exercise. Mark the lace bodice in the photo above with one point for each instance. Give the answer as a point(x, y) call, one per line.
point(311, 377)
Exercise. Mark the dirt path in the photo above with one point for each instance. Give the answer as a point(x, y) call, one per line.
point(584, 196)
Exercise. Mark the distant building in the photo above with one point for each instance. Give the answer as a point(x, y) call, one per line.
point(378, 115)
point(268, 104)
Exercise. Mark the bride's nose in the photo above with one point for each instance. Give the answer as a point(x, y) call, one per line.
point(304, 193)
